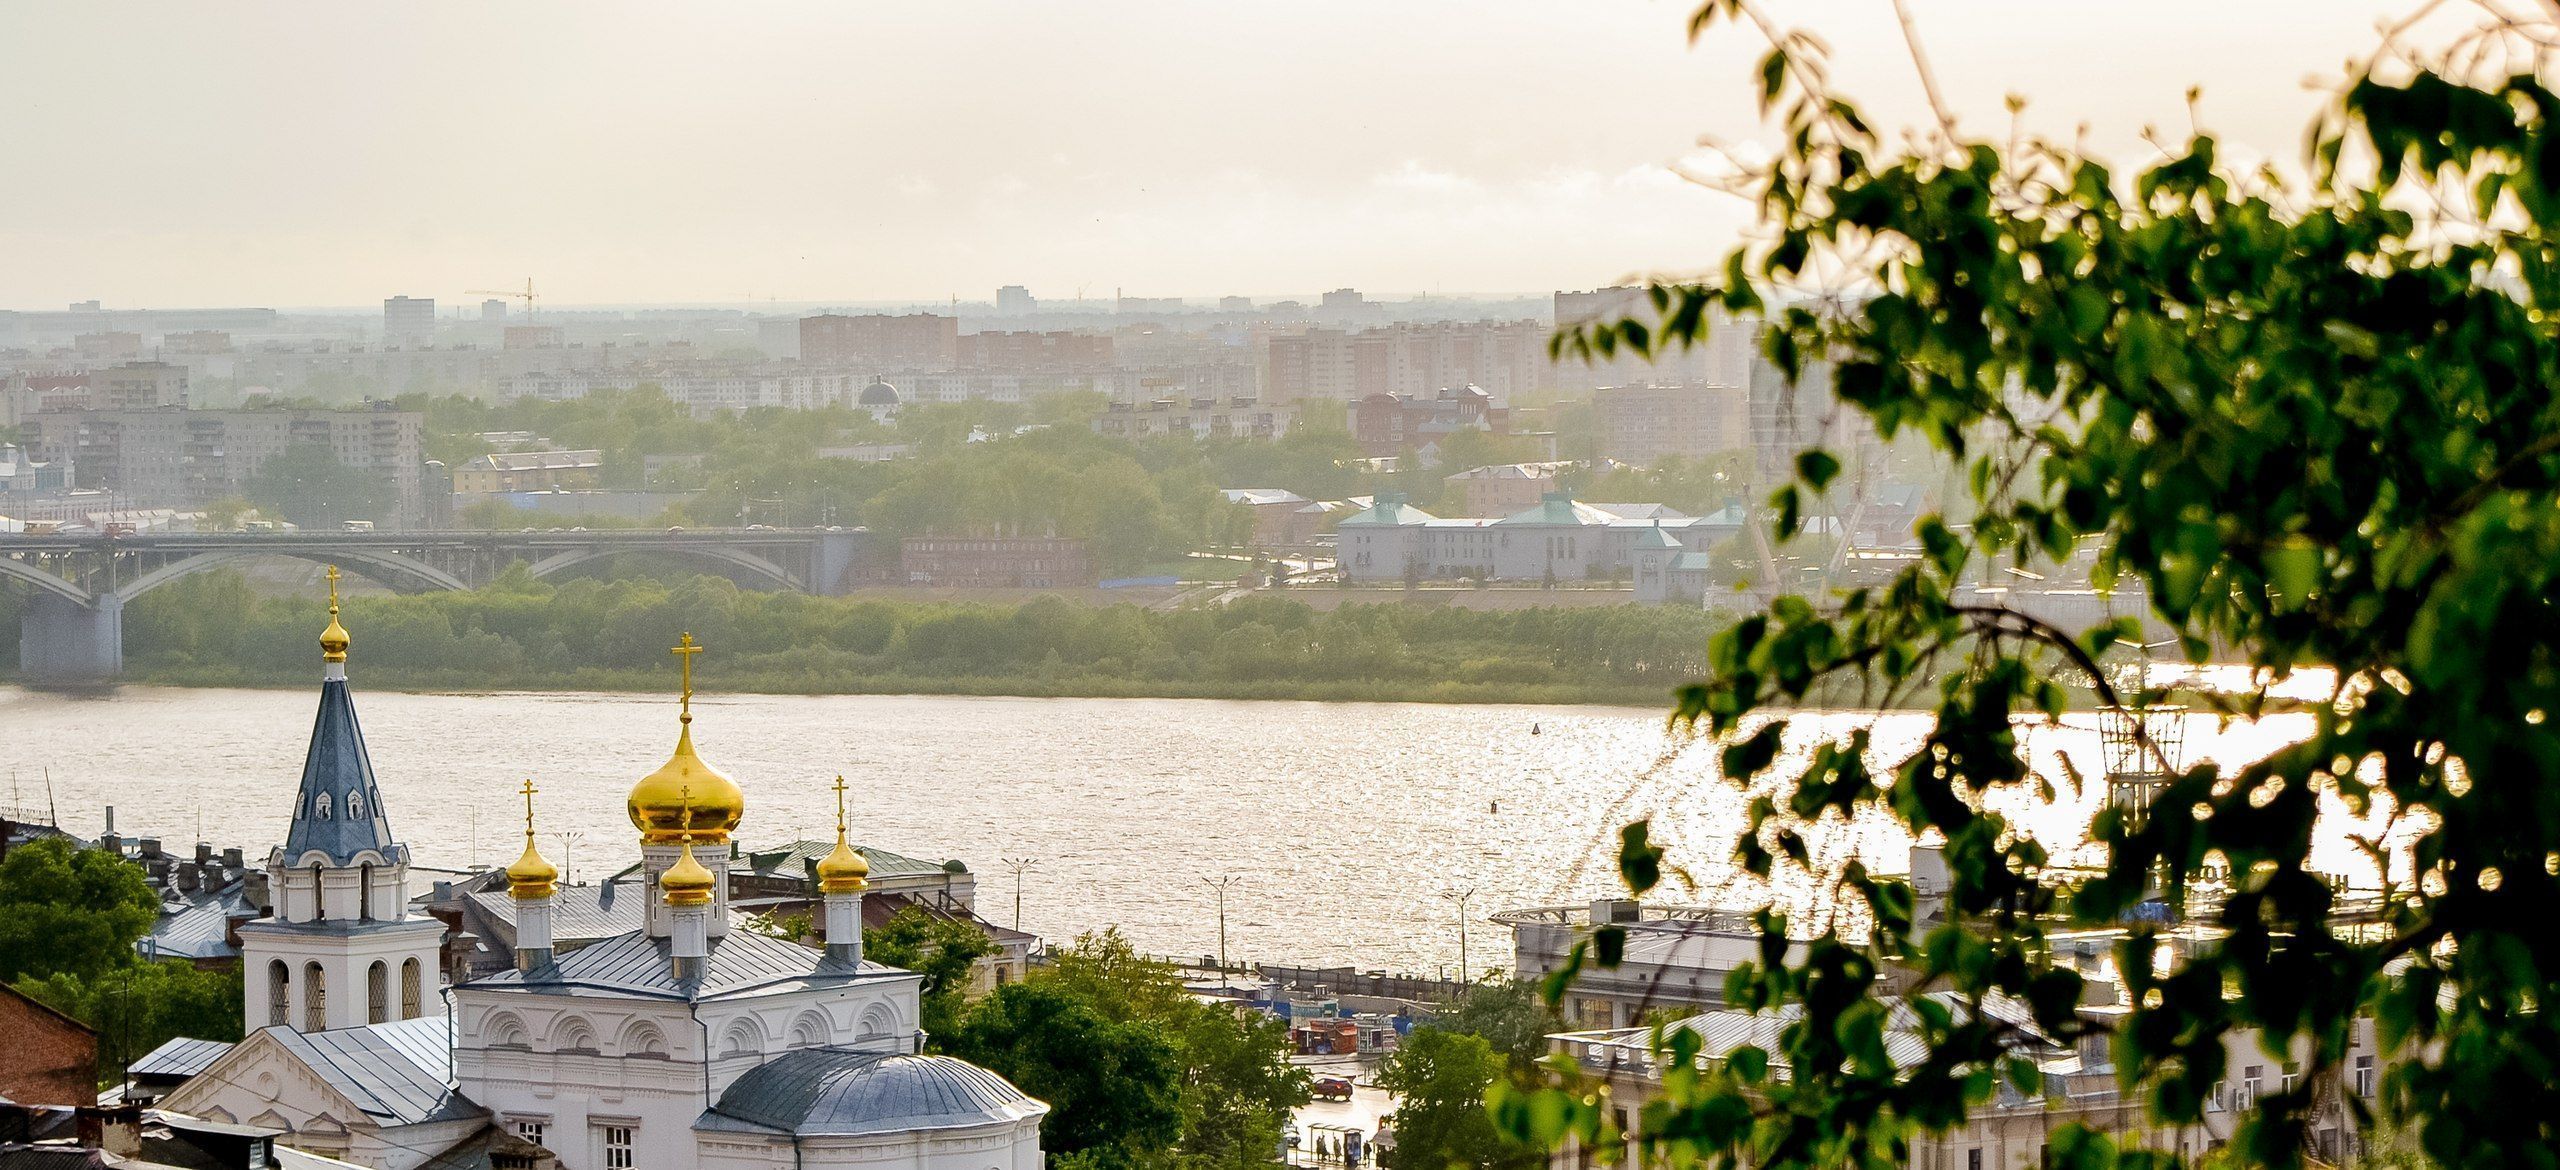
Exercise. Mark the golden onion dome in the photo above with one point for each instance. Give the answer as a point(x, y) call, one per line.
point(686, 882)
point(843, 870)
point(686, 796)
point(334, 640)
point(531, 876)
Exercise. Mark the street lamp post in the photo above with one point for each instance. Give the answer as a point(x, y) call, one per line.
point(1017, 865)
point(1220, 884)
point(1460, 897)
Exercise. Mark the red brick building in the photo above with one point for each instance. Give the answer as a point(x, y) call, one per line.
point(50, 1059)
point(996, 562)
point(915, 341)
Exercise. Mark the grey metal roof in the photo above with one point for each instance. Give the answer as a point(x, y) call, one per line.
point(578, 913)
point(337, 812)
point(837, 1092)
point(401, 1073)
point(200, 928)
point(742, 964)
point(183, 1056)
point(791, 860)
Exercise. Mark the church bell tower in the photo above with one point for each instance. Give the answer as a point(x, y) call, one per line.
point(340, 948)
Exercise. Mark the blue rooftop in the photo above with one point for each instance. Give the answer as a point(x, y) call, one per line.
point(338, 813)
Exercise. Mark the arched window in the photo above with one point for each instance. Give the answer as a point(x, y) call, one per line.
point(377, 993)
point(504, 1030)
point(315, 999)
point(573, 1035)
point(279, 993)
point(744, 1039)
point(642, 1038)
point(412, 990)
point(320, 806)
point(809, 1031)
point(355, 804)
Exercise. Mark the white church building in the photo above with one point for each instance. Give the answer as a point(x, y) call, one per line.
point(680, 1045)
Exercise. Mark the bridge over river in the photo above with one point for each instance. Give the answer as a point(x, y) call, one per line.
point(73, 632)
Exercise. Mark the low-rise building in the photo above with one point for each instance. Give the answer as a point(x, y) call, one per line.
point(1197, 418)
point(1504, 488)
point(1390, 424)
point(996, 562)
point(50, 1059)
point(1281, 518)
point(526, 471)
point(1557, 540)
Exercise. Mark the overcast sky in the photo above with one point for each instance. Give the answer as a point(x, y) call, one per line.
point(842, 150)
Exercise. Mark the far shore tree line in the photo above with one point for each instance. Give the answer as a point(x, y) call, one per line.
point(214, 628)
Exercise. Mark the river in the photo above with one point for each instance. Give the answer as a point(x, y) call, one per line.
point(1344, 824)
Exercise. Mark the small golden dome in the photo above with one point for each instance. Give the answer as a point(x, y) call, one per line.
point(686, 882)
point(842, 871)
point(334, 640)
point(664, 812)
point(531, 876)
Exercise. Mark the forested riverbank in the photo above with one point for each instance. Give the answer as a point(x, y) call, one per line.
point(522, 634)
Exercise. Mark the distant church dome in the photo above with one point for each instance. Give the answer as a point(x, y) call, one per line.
point(837, 1092)
point(878, 393)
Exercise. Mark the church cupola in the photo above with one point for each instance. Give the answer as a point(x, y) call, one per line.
point(686, 801)
point(842, 874)
point(531, 881)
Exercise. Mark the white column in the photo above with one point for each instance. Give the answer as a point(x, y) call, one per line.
point(689, 940)
point(844, 927)
point(533, 933)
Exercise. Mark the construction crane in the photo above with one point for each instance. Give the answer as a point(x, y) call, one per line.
point(526, 294)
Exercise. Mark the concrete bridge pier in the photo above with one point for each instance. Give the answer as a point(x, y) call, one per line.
point(833, 557)
point(64, 645)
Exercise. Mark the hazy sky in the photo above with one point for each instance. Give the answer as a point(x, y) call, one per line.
point(810, 150)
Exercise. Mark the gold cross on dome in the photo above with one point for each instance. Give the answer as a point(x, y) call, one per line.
point(684, 650)
point(839, 807)
point(528, 790)
point(333, 591)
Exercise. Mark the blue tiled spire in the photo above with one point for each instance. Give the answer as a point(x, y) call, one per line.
point(338, 810)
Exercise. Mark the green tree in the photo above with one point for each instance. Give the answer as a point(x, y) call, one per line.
point(1508, 1014)
point(1238, 1087)
point(141, 1006)
point(1439, 1078)
point(1114, 1088)
point(65, 910)
point(306, 484)
point(943, 950)
point(2313, 429)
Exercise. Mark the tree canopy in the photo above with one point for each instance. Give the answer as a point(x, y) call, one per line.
point(65, 910)
point(2312, 422)
point(943, 950)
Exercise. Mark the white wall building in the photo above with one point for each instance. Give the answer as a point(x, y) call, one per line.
point(679, 1045)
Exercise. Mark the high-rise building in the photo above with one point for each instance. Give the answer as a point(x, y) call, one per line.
point(1646, 423)
point(1013, 300)
point(139, 386)
point(171, 458)
point(409, 320)
point(1235, 304)
point(923, 341)
point(1723, 358)
point(493, 309)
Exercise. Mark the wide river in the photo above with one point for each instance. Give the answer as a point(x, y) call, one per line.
point(1343, 824)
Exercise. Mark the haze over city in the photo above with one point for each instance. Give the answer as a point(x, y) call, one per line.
point(1345, 585)
point(819, 152)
